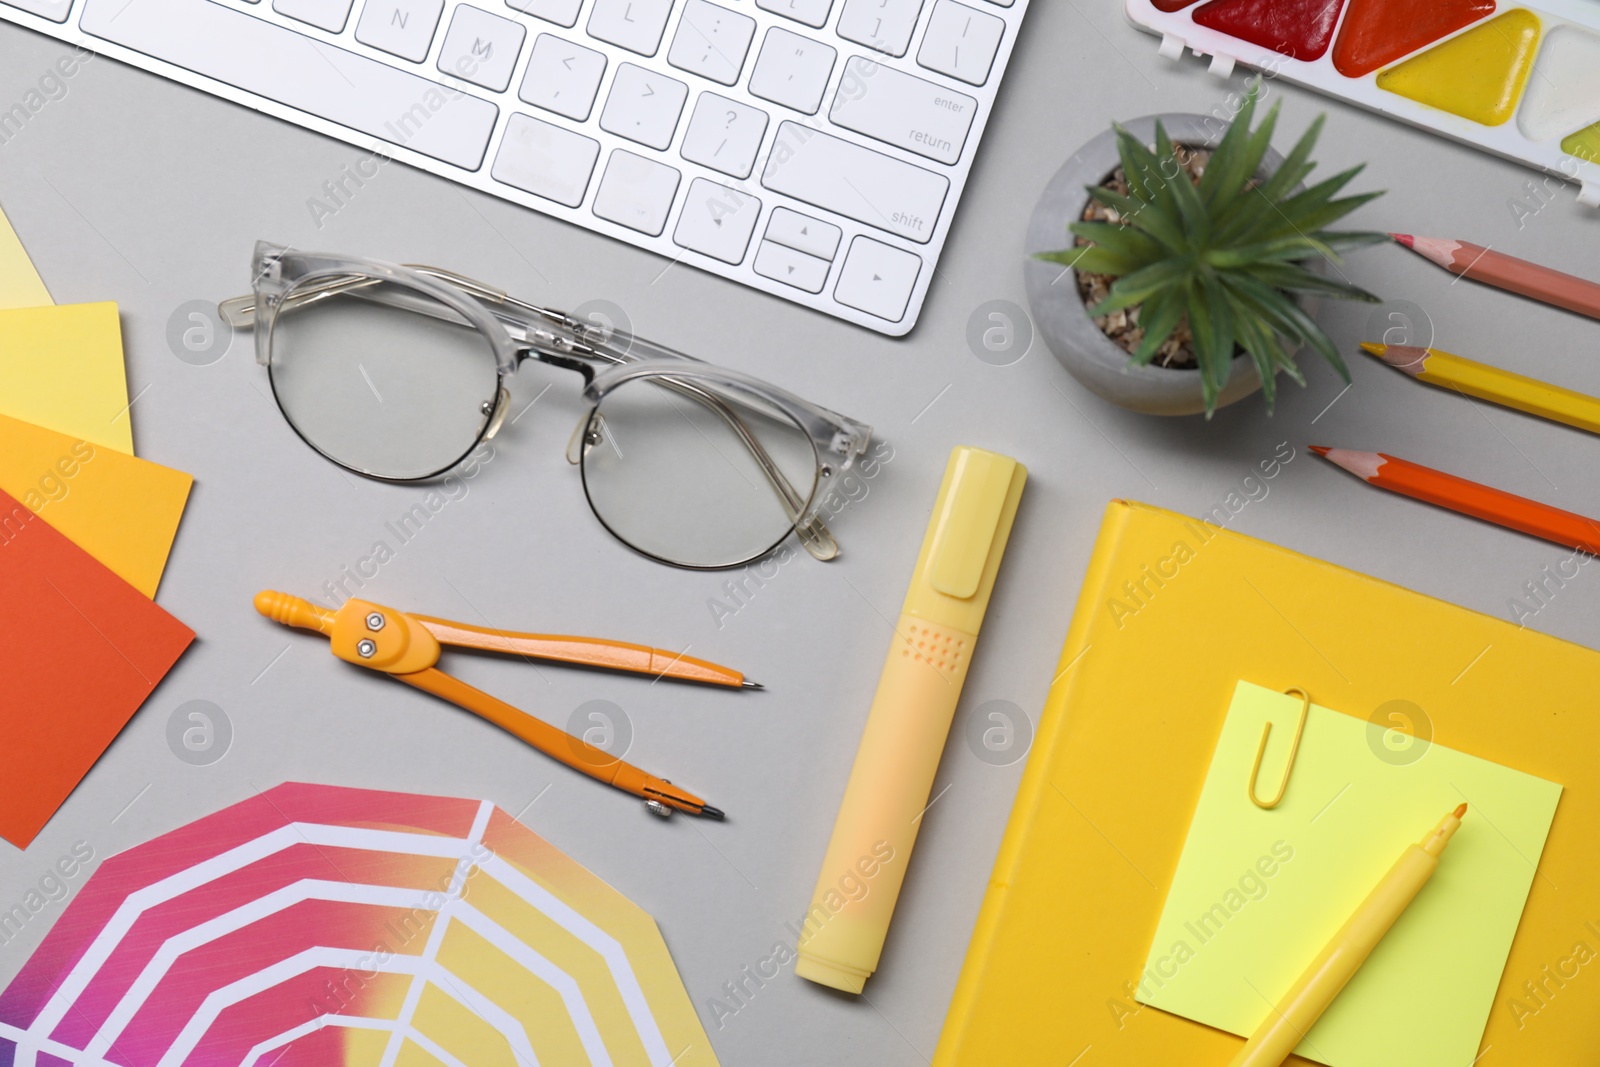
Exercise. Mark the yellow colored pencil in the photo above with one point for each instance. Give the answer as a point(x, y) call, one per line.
point(1498, 386)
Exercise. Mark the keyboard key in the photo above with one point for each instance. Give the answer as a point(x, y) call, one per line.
point(636, 25)
point(562, 77)
point(791, 267)
point(877, 279)
point(717, 220)
point(643, 106)
point(560, 12)
point(902, 110)
point(961, 41)
point(792, 70)
point(636, 192)
point(711, 41)
point(273, 61)
point(402, 28)
point(882, 25)
point(810, 12)
point(481, 48)
point(724, 135)
point(1001, 3)
point(841, 176)
point(544, 160)
point(54, 10)
point(330, 15)
point(803, 233)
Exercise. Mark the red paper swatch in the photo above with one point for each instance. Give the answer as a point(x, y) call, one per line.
point(1377, 32)
point(80, 650)
point(1299, 29)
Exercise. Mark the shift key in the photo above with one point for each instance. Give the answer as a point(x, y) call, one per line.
point(904, 111)
point(870, 187)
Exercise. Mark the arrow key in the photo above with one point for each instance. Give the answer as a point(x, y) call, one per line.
point(877, 278)
point(717, 221)
point(803, 233)
point(784, 264)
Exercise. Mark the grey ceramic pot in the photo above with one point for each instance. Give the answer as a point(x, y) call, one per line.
point(1058, 311)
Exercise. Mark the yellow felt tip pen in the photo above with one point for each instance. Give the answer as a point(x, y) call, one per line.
point(1287, 1024)
point(843, 931)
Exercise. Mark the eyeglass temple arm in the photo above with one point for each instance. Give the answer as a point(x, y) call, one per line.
point(240, 311)
point(813, 533)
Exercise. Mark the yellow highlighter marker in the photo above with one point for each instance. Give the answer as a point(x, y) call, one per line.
point(844, 929)
point(1450, 371)
point(1287, 1024)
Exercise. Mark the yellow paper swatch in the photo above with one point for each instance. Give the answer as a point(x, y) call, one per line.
point(1258, 893)
point(122, 510)
point(20, 284)
point(61, 368)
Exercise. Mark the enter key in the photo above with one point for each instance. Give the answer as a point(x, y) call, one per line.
point(901, 110)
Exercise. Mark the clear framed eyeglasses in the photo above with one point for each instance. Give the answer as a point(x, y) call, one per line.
point(398, 372)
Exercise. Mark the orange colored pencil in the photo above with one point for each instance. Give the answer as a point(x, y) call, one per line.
point(1508, 272)
point(1468, 498)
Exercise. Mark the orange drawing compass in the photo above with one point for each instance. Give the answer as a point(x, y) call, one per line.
point(406, 647)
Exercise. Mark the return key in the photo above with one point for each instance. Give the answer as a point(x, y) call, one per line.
point(902, 110)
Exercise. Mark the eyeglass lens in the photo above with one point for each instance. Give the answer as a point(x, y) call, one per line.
point(382, 389)
point(672, 475)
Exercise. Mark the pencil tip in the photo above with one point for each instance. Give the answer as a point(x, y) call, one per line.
point(748, 684)
point(1461, 810)
point(1405, 239)
point(1321, 450)
point(712, 813)
point(1374, 348)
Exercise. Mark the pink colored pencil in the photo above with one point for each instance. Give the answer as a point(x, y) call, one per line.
point(1508, 272)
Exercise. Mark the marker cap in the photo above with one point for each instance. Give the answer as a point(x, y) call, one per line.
point(966, 538)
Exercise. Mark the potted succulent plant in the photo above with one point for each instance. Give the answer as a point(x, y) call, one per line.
point(1188, 285)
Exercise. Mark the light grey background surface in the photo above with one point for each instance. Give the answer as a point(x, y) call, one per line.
point(137, 190)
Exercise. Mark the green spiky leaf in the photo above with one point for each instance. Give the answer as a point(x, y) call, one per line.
point(1227, 254)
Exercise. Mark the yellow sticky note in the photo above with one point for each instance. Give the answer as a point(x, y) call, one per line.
point(20, 284)
point(61, 368)
point(122, 510)
point(1258, 893)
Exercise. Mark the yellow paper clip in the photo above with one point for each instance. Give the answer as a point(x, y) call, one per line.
point(1294, 749)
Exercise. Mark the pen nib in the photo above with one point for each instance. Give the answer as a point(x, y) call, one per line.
point(748, 684)
point(712, 813)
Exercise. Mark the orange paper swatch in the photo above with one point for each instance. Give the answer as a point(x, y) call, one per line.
point(80, 650)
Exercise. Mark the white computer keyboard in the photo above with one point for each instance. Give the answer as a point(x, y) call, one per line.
point(814, 149)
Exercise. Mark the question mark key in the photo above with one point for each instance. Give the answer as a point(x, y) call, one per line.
point(724, 135)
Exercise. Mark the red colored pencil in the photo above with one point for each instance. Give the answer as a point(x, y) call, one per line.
point(1469, 498)
point(1508, 272)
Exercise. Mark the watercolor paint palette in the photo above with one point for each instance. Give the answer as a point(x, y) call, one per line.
point(1522, 82)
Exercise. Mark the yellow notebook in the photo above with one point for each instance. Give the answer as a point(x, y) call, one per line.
point(1172, 614)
